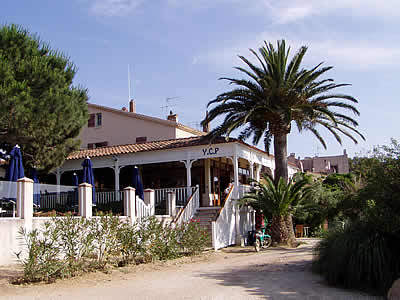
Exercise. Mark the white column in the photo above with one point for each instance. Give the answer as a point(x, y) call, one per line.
point(85, 200)
point(149, 199)
point(188, 164)
point(253, 219)
point(130, 203)
point(25, 198)
point(236, 176)
point(117, 169)
point(258, 170)
point(171, 204)
point(252, 170)
point(207, 181)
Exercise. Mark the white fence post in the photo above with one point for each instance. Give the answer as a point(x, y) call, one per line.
point(130, 203)
point(25, 198)
point(171, 204)
point(85, 200)
point(149, 199)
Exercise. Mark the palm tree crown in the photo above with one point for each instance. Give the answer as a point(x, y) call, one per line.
point(278, 92)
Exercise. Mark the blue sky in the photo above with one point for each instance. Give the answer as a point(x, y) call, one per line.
point(179, 48)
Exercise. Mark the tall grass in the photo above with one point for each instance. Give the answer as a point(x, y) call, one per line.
point(359, 257)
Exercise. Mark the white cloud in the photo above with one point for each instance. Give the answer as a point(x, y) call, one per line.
point(111, 8)
point(343, 54)
point(287, 11)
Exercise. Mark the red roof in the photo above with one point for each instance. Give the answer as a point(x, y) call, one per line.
point(154, 146)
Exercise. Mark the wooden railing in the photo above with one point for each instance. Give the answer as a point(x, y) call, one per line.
point(227, 198)
point(187, 212)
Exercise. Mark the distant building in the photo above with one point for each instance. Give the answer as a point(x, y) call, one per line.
point(322, 164)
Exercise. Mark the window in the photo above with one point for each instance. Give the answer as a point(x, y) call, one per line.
point(97, 145)
point(141, 139)
point(91, 121)
point(99, 119)
point(95, 120)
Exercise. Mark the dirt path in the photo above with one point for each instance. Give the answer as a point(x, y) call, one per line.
point(234, 273)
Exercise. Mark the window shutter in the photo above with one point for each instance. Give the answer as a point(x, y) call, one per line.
point(92, 119)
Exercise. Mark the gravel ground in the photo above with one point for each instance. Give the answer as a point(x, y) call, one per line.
point(232, 273)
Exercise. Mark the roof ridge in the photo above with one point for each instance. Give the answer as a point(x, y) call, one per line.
point(150, 118)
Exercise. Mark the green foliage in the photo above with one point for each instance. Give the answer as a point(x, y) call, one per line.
point(42, 263)
point(278, 91)
point(365, 254)
point(193, 237)
point(275, 199)
point(333, 198)
point(69, 245)
point(359, 257)
point(40, 109)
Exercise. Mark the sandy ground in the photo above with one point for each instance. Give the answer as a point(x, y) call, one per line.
point(233, 273)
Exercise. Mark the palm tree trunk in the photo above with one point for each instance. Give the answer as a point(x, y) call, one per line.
point(281, 170)
point(279, 232)
point(280, 152)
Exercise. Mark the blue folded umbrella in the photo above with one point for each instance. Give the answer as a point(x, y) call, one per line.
point(88, 176)
point(137, 183)
point(15, 171)
point(15, 168)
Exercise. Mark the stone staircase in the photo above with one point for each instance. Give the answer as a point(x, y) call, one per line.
point(206, 215)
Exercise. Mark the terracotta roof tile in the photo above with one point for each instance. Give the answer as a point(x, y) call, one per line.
point(144, 147)
point(156, 145)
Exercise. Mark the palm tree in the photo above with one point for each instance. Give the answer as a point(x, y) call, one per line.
point(276, 93)
point(275, 200)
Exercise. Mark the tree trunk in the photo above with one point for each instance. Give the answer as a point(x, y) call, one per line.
point(279, 232)
point(281, 170)
point(280, 152)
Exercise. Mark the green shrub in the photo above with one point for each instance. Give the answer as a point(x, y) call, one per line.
point(42, 262)
point(69, 245)
point(193, 237)
point(359, 257)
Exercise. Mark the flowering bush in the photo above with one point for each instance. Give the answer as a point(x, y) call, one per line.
point(193, 237)
point(69, 245)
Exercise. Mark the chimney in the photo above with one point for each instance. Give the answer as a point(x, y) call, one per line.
point(172, 117)
point(206, 127)
point(124, 109)
point(132, 106)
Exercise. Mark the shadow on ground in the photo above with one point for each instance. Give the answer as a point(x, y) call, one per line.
point(279, 280)
point(8, 273)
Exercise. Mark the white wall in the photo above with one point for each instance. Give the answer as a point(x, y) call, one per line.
point(119, 128)
point(10, 239)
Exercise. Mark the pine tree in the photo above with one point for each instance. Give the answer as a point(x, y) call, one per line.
point(40, 109)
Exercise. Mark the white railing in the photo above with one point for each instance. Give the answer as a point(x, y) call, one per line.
point(187, 212)
point(224, 228)
point(233, 223)
point(110, 196)
point(182, 195)
point(243, 189)
point(142, 209)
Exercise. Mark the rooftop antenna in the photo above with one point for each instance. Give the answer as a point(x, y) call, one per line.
point(168, 103)
point(129, 83)
point(317, 153)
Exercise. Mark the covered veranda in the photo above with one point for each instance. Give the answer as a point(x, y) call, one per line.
point(173, 164)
